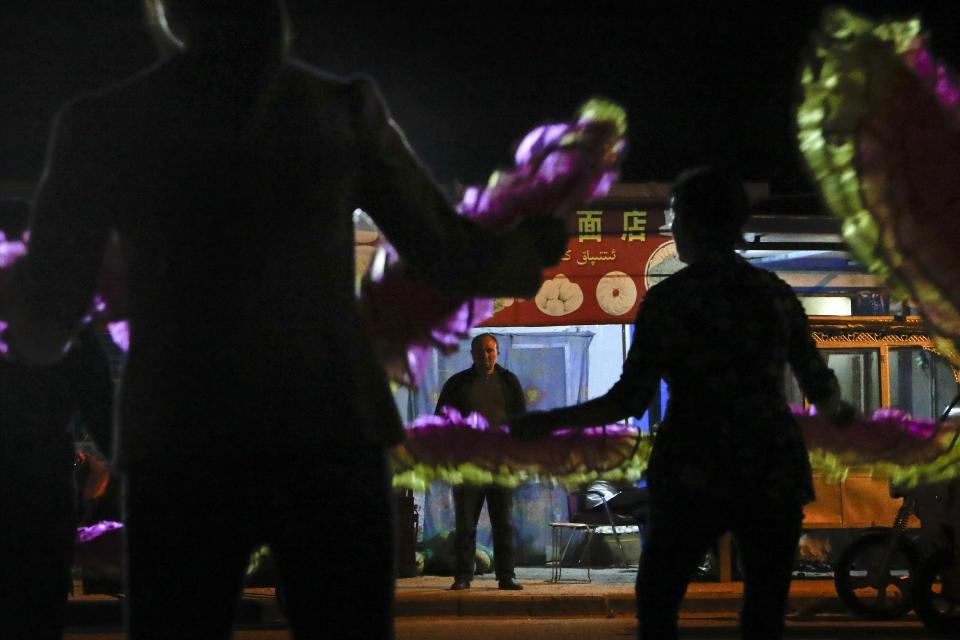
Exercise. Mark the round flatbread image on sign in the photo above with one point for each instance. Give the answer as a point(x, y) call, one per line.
point(499, 304)
point(616, 293)
point(663, 263)
point(559, 296)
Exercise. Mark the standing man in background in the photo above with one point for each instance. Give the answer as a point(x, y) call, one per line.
point(493, 392)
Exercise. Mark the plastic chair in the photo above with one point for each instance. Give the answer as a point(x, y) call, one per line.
point(597, 506)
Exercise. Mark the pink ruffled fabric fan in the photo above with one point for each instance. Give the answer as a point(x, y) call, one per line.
point(455, 448)
point(559, 167)
point(879, 126)
point(889, 435)
point(99, 550)
point(10, 251)
point(94, 531)
point(891, 443)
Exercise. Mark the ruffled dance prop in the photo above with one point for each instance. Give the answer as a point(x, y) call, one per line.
point(110, 305)
point(99, 550)
point(559, 167)
point(891, 444)
point(879, 127)
point(10, 251)
point(86, 534)
point(461, 449)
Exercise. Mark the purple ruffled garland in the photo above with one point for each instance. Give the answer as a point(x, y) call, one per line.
point(86, 534)
point(452, 439)
point(889, 435)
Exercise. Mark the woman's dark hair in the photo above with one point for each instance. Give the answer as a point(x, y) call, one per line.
point(714, 200)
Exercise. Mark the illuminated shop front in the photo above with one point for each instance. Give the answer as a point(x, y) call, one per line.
point(568, 343)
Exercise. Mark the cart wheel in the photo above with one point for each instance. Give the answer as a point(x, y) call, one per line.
point(869, 589)
point(937, 593)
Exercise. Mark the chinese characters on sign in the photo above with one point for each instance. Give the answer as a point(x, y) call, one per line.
point(602, 276)
point(589, 225)
point(634, 226)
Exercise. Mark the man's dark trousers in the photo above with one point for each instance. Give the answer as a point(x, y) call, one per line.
point(468, 499)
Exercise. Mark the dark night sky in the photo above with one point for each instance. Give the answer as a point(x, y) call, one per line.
point(702, 82)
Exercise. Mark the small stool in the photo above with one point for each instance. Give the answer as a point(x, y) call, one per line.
point(558, 555)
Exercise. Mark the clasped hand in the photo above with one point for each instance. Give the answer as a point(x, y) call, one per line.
point(531, 427)
point(838, 413)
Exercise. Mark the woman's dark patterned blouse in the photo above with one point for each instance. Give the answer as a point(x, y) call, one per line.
point(721, 334)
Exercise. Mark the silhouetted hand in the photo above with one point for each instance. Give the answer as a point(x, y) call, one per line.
point(838, 413)
point(531, 427)
point(547, 235)
point(843, 414)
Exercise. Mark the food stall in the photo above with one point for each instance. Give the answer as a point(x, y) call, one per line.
point(618, 249)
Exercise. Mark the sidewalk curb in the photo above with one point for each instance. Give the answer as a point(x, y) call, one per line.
point(512, 605)
point(599, 605)
point(591, 601)
point(94, 613)
point(108, 612)
point(602, 602)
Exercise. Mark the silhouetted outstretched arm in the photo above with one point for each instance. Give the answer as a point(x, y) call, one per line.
point(817, 380)
point(54, 284)
point(441, 246)
point(629, 396)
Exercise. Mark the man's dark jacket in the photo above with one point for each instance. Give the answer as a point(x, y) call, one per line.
point(456, 390)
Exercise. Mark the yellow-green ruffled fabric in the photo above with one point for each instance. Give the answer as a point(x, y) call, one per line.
point(846, 77)
point(418, 476)
point(834, 467)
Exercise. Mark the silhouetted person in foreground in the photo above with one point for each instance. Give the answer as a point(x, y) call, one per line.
point(229, 173)
point(728, 456)
point(38, 510)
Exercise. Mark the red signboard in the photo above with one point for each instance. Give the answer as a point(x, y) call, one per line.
point(614, 256)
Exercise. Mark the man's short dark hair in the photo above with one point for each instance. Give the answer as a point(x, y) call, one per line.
point(476, 340)
point(246, 20)
point(713, 198)
point(221, 9)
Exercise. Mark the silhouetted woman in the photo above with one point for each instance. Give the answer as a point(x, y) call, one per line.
point(728, 456)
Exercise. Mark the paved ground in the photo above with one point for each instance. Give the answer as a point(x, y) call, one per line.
point(580, 628)
point(609, 594)
point(600, 609)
